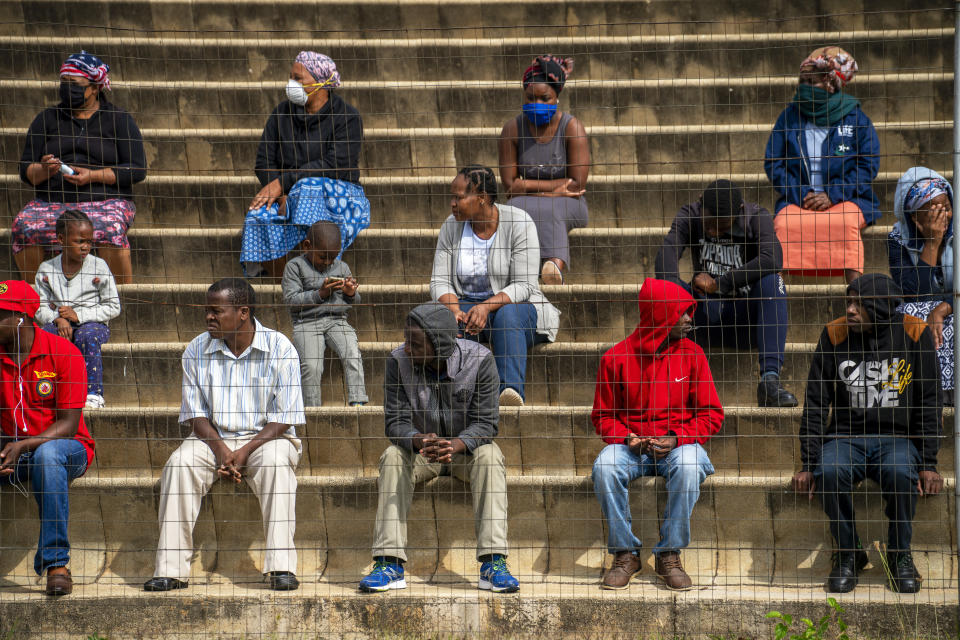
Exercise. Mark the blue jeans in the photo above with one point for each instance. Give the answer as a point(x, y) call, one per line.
point(511, 331)
point(757, 321)
point(891, 462)
point(50, 468)
point(684, 468)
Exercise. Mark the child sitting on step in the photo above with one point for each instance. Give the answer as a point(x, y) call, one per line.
point(319, 289)
point(78, 296)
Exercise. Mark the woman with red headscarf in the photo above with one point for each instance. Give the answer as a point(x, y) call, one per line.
point(544, 162)
point(85, 153)
point(822, 158)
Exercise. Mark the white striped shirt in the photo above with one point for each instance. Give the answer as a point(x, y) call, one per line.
point(241, 395)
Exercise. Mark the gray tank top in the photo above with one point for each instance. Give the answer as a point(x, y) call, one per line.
point(542, 161)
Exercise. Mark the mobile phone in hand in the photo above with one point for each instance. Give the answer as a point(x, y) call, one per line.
point(67, 170)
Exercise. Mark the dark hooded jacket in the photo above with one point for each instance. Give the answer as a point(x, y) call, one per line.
point(885, 382)
point(650, 391)
point(462, 402)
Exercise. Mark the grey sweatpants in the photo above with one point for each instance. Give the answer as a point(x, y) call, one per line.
point(402, 470)
point(311, 338)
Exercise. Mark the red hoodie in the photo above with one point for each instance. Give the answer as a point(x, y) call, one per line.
point(649, 393)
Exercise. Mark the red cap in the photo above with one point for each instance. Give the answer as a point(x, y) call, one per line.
point(17, 295)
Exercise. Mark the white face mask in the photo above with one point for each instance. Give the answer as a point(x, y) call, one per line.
point(296, 93)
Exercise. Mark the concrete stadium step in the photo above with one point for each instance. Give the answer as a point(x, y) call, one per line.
point(421, 54)
point(535, 440)
point(159, 313)
point(424, 150)
point(405, 201)
point(603, 101)
point(148, 374)
point(469, 18)
point(568, 611)
point(745, 531)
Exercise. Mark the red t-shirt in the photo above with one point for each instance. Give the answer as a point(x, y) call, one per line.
point(54, 376)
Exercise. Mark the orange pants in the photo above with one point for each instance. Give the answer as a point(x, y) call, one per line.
point(821, 243)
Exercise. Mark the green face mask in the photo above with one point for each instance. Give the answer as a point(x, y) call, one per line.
point(822, 107)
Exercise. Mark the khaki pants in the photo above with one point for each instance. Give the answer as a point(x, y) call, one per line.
point(187, 477)
point(401, 470)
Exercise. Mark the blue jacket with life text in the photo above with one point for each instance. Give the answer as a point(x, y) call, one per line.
point(850, 161)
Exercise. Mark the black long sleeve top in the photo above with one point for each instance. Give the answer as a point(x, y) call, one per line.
point(108, 139)
point(297, 145)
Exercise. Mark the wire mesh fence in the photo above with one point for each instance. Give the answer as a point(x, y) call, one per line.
point(535, 200)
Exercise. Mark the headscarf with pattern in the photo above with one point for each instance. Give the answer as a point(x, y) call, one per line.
point(549, 70)
point(321, 67)
point(836, 66)
point(86, 65)
point(923, 191)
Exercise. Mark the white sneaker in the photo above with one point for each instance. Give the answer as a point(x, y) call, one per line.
point(94, 401)
point(510, 398)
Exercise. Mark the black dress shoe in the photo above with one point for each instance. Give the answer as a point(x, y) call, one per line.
point(846, 567)
point(771, 394)
point(904, 577)
point(163, 584)
point(283, 581)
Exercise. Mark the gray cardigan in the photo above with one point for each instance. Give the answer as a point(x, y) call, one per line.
point(513, 266)
point(301, 286)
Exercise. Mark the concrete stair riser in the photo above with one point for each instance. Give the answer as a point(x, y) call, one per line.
point(335, 529)
point(722, 99)
point(535, 440)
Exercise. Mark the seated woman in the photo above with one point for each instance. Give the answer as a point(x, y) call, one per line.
point(485, 272)
point(822, 157)
point(921, 257)
point(307, 165)
point(544, 162)
point(84, 153)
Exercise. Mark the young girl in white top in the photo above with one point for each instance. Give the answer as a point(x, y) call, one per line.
point(78, 296)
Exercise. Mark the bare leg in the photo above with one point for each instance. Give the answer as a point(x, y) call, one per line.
point(119, 262)
point(28, 261)
point(851, 274)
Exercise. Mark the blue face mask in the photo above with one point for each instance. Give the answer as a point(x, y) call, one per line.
point(539, 113)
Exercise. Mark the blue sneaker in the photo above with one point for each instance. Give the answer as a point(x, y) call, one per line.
point(495, 576)
point(385, 576)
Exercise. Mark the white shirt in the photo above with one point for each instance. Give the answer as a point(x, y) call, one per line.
point(241, 395)
point(472, 263)
point(815, 137)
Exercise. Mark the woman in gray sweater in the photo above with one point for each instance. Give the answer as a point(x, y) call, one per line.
point(485, 271)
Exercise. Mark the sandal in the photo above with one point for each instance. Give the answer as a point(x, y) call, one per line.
point(550, 273)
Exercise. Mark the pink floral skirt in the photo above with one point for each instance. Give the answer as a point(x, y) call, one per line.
point(36, 223)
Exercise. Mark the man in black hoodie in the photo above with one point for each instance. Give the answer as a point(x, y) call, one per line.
point(741, 300)
point(441, 409)
point(878, 371)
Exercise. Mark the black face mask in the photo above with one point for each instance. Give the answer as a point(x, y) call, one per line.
point(72, 95)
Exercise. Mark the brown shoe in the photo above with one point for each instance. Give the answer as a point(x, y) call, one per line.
point(59, 582)
point(625, 565)
point(669, 568)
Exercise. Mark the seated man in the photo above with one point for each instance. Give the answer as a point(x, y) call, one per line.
point(43, 389)
point(655, 404)
point(241, 397)
point(441, 408)
point(877, 370)
point(736, 262)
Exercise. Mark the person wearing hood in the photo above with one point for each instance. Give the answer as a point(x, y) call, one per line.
point(441, 414)
point(822, 157)
point(655, 406)
point(307, 165)
point(84, 153)
point(736, 264)
point(921, 258)
point(872, 410)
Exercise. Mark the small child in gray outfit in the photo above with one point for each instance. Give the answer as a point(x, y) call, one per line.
point(319, 289)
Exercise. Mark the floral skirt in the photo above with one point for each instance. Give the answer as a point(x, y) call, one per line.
point(36, 223)
point(269, 236)
point(945, 352)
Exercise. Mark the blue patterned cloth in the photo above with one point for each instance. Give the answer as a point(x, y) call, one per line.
point(269, 236)
point(945, 352)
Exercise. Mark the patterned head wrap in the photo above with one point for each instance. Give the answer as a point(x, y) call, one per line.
point(548, 70)
point(836, 66)
point(86, 65)
point(924, 191)
point(321, 67)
